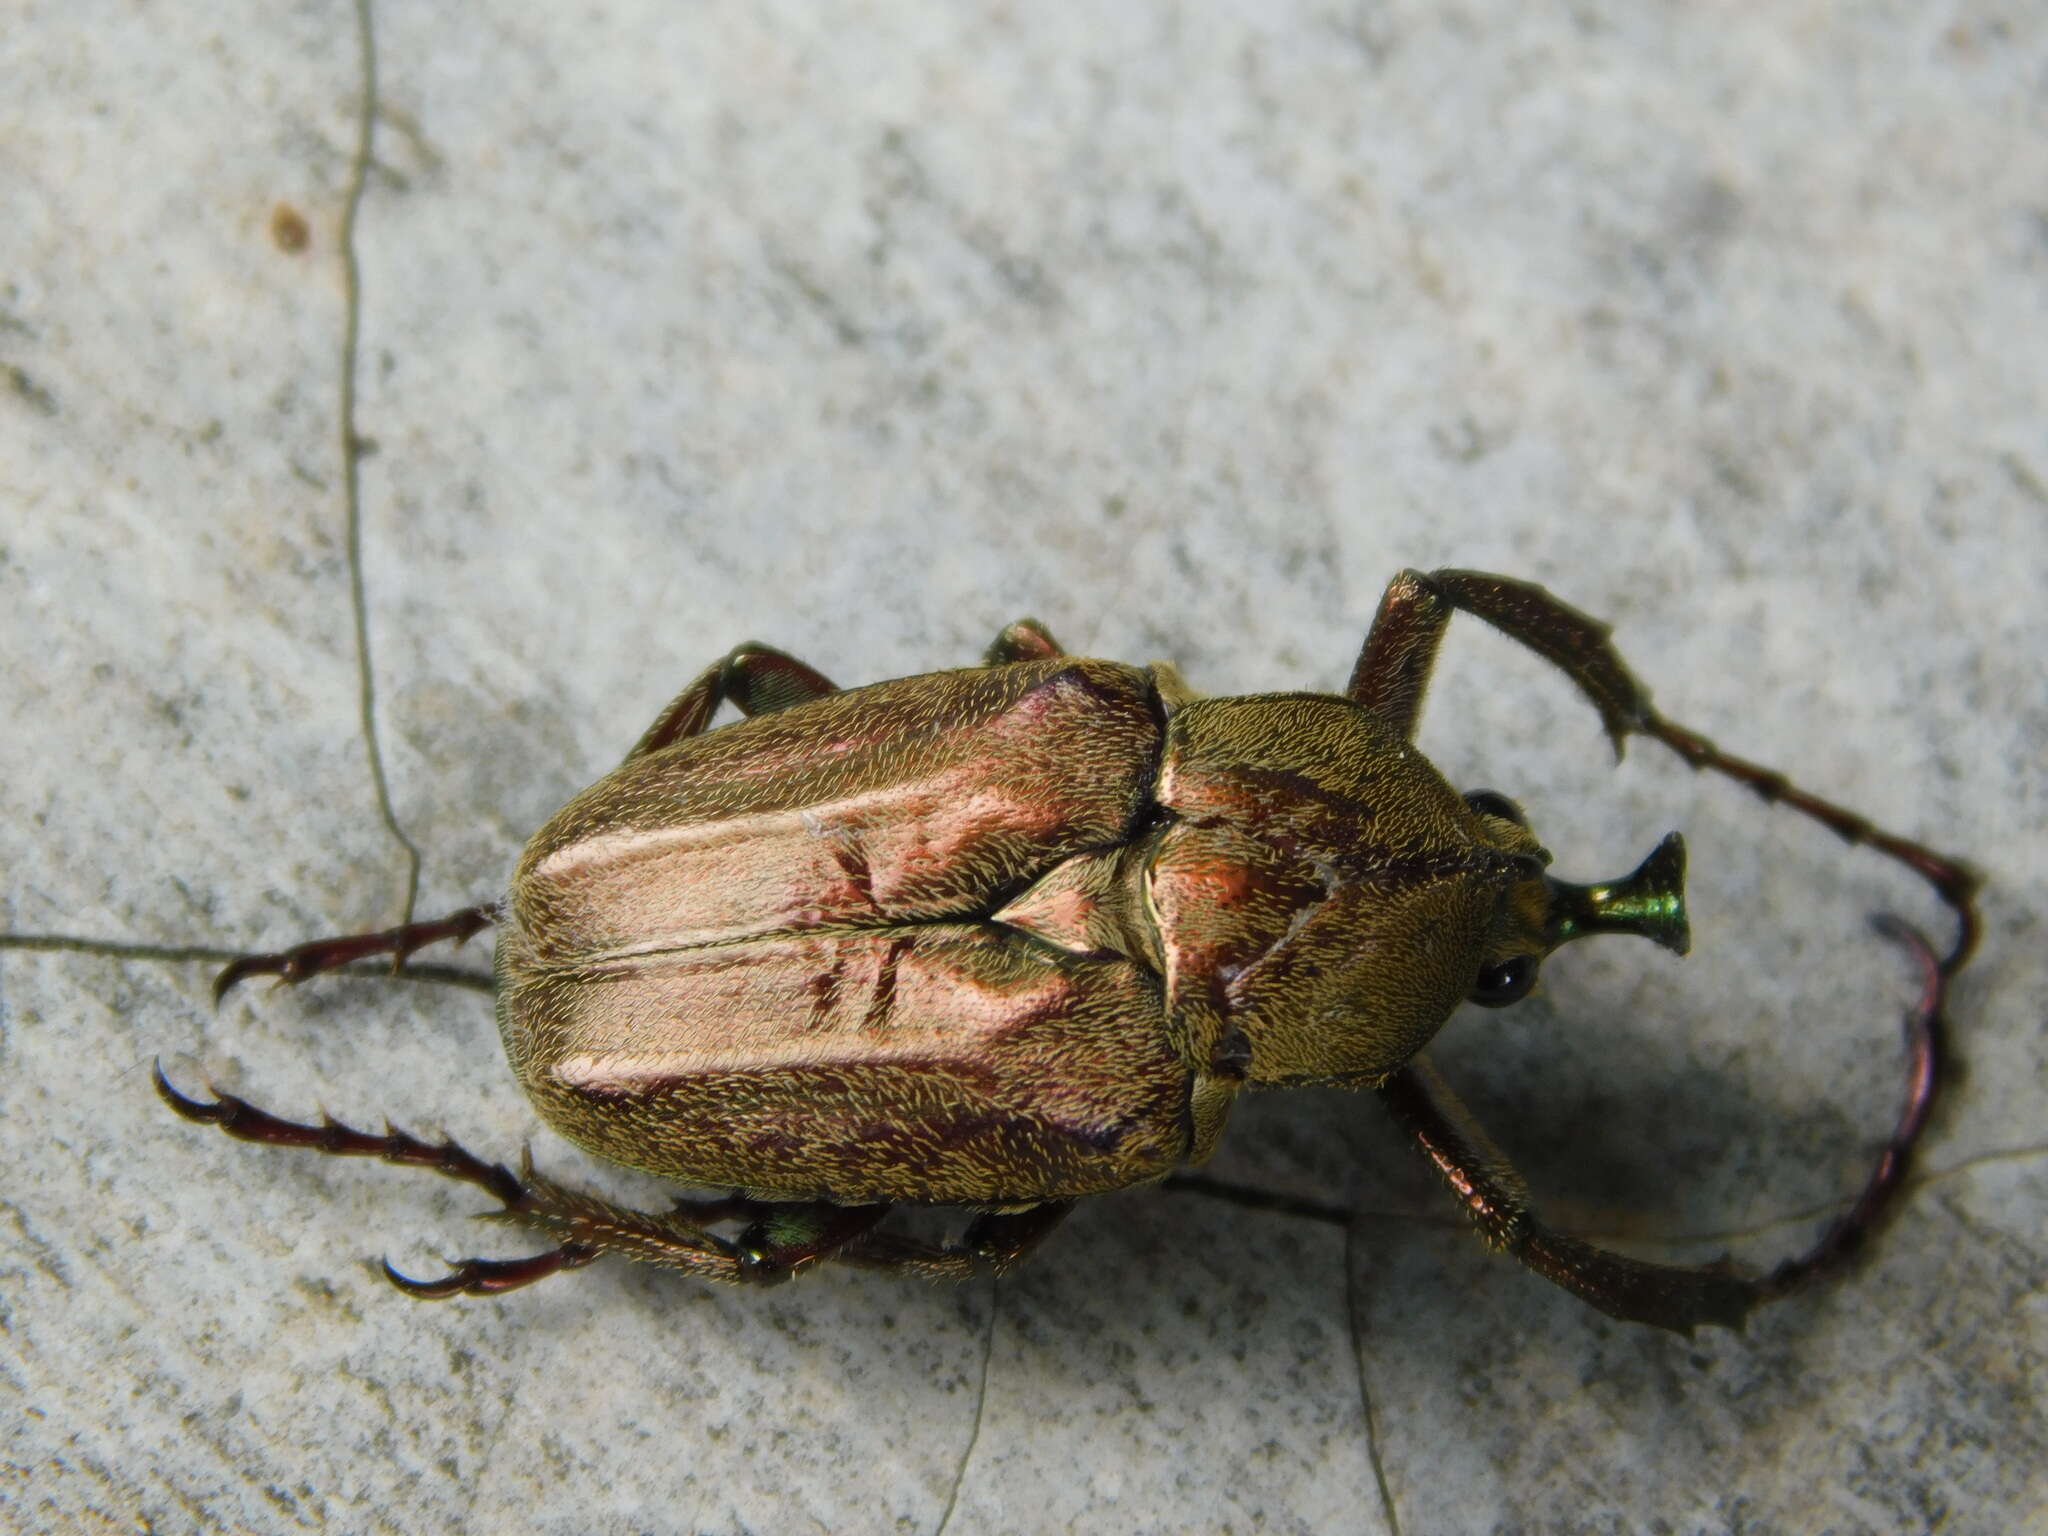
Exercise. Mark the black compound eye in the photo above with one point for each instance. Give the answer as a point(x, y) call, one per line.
point(1491, 802)
point(1508, 982)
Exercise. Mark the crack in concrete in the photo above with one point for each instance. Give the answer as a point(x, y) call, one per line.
point(988, 1349)
point(183, 954)
point(1821, 1208)
point(353, 450)
point(1253, 1198)
point(1303, 1208)
point(114, 949)
point(1978, 1159)
point(1372, 1427)
point(352, 446)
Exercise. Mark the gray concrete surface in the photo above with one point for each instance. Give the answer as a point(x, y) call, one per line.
point(863, 329)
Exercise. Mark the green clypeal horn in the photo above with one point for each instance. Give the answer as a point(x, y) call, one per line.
point(1650, 902)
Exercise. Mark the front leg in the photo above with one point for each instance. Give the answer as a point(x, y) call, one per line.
point(1391, 675)
point(1680, 1298)
point(1497, 1200)
point(1390, 678)
point(1393, 670)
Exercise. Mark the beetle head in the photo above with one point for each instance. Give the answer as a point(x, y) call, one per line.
point(1542, 913)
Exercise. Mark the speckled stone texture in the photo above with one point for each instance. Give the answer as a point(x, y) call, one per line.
point(863, 329)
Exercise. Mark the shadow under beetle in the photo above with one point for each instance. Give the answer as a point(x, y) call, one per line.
point(1012, 935)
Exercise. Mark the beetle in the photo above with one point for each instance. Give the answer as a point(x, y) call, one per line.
point(1013, 935)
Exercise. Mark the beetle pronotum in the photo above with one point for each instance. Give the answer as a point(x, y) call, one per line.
point(1012, 935)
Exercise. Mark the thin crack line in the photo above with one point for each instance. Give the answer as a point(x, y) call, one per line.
point(1257, 1199)
point(194, 954)
point(1302, 1208)
point(988, 1349)
point(113, 949)
point(1994, 1155)
point(1372, 1426)
point(352, 447)
point(1819, 1209)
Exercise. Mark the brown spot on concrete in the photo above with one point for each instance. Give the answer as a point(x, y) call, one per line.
point(289, 229)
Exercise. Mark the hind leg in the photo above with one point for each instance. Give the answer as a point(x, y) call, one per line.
point(295, 965)
point(775, 1241)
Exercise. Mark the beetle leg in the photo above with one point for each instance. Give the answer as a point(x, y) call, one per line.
point(1393, 672)
point(294, 965)
point(493, 1277)
point(1924, 1062)
point(245, 1122)
point(757, 678)
point(1393, 667)
point(1025, 640)
point(1497, 1200)
point(781, 1239)
point(1680, 1299)
point(1390, 678)
point(995, 1242)
point(785, 1240)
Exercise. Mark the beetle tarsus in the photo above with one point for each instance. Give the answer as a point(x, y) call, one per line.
point(303, 961)
point(1925, 1060)
point(190, 1109)
point(493, 1277)
point(245, 1122)
point(1955, 882)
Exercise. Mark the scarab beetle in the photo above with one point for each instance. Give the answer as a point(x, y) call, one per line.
point(1012, 935)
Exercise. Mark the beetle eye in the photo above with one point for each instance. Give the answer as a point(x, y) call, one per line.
point(1508, 982)
point(1491, 802)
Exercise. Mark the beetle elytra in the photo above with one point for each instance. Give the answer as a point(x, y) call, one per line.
point(1013, 935)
